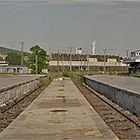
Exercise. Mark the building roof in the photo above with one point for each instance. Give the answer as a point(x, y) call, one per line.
point(135, 50)
point(66, 57)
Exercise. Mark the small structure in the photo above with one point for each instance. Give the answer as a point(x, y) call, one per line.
point(133, 60)
point(16, 69)
point(79, 51)
point(2, 61)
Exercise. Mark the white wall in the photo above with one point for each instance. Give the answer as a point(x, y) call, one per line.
point(85, 63)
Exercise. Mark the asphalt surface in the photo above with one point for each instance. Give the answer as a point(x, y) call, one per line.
point(128, 83)
point(10, 80)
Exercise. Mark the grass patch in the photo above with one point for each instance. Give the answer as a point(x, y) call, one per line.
point(76, 77)
point(50, 77)
point(136, 75)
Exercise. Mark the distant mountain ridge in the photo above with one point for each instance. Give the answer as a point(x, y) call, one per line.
point(5, 51)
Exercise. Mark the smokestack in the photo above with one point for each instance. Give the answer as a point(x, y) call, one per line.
point(93, 47)
point(76, 50)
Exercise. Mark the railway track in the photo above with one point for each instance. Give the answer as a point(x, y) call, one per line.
point(124, 124)
point(10, 113)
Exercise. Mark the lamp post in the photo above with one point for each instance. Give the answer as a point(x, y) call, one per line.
point(36, 65)
point(70, 59)
point(104, 60)
point(22, 44)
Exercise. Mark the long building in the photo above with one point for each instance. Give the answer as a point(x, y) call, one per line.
point(88, 62)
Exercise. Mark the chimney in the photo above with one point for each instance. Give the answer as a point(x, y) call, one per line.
point(93, 47)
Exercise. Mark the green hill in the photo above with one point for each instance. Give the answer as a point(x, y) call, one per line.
point(5, 51)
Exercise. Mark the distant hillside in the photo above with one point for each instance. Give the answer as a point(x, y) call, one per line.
point(5, 51)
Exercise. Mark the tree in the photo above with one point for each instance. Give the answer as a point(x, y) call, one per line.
point(38, 55)
point(13, 58)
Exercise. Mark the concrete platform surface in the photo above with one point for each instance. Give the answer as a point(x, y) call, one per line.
point(60, 112)
point(11, 80)
point(127, 83)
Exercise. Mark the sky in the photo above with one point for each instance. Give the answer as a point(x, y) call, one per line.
point(58, 25)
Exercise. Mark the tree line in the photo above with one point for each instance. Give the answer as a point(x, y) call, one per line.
point(35, 60)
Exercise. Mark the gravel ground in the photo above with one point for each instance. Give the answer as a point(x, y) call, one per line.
point(120, 125)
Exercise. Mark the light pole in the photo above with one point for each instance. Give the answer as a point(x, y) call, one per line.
point(104, 60)
point(70, 59)
point(58, 61)
point(36, 65)
point(22, 44)
point(63, 62)
point(88, 62)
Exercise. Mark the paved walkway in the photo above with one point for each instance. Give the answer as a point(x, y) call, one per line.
point(60, 112)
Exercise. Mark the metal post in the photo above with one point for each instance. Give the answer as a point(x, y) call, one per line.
point(88, 62)
point(70, 60)
point(36, 66)
point(126, 53)
point(79, 61)
point(104, 60)
point(58, 62)
point(63, 62)
point(22, 44)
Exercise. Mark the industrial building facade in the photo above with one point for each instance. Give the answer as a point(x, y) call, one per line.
point(85, 62)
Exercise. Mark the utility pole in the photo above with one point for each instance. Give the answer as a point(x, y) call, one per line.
point(58, 61)
point(22, 44)
point(126, 53)
point(79, 61)
point(63, 62)
point(36, 65)
point(12, 47)
point(70, 59)
point(88, 62)
point(104, 60)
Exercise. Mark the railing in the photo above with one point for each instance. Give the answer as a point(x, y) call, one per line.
point(18, 91)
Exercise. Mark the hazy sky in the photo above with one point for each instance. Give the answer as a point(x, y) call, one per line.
point(61, 24)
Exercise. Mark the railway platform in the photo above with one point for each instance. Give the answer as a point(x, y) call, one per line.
point(125, 91)
point(60, 112)
point(121, 82)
